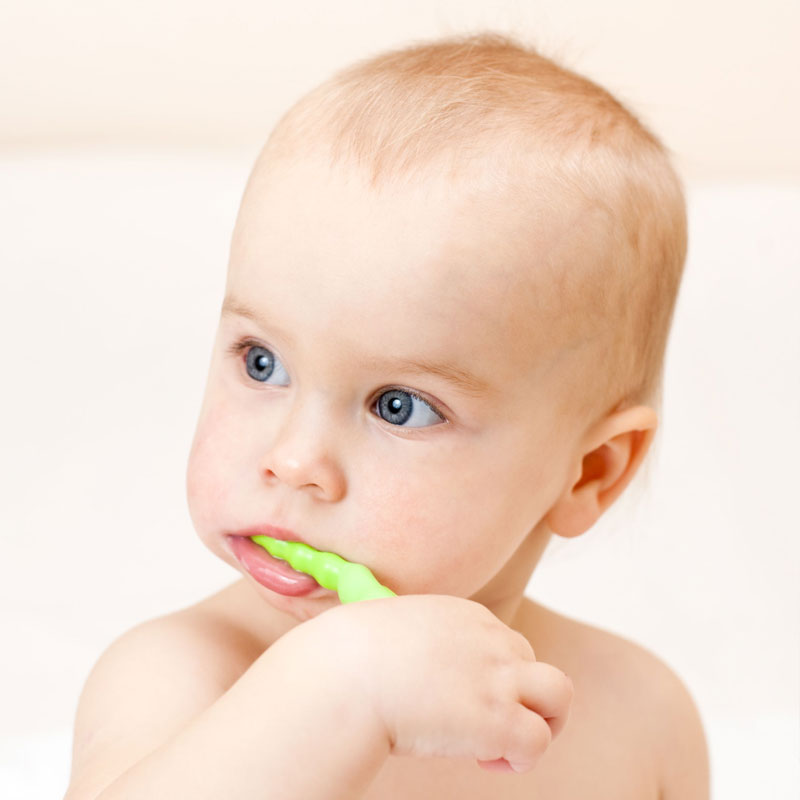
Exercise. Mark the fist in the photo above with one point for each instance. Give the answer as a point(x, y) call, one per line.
point(446, 678)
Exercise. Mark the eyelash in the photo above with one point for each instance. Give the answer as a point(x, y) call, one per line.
point(242, 345)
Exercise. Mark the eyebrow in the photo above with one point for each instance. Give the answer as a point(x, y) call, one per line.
point(233, 306)
point(462, 380)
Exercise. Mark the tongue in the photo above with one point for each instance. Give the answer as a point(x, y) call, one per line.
point(258, 560)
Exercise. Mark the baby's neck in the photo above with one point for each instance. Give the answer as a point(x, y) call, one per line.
point(504, 594)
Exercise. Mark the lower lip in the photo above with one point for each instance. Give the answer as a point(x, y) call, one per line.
point(273, 573)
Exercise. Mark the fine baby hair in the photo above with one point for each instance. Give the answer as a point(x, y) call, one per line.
point(488, 107)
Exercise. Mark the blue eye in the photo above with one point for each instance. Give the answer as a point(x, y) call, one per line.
point(261, 364)
point(399, 406)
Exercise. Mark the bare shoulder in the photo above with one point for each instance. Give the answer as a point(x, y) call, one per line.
point(149, 683)
point(618, 680)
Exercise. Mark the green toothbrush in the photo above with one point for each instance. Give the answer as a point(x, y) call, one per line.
point(351, 581)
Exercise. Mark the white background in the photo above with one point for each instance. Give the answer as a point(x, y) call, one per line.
point(718, 80)
point(112, 255)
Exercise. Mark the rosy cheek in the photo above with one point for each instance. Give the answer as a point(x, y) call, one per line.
point(403, 534)
point(435, 537)
point(206, 475)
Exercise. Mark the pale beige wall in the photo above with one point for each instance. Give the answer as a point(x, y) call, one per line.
point(719, 81)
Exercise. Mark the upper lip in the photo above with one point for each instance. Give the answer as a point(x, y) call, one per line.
point(270, 530)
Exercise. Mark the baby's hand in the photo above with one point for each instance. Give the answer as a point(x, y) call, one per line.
point(446, 678)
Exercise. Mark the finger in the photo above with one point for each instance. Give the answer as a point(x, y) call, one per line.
point(521, 646)
point(529, 736)
point(546, 690)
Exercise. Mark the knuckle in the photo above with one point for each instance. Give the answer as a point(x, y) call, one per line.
point(497, 713)
point(525, 647)
point(499, 719)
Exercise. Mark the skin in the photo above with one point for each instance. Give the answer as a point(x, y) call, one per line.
point(463, 507)
point(459, 502)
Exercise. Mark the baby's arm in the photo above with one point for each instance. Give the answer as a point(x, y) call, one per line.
point(155, 720)
point(318, 713)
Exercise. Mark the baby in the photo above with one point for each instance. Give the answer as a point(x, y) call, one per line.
point(449, 293)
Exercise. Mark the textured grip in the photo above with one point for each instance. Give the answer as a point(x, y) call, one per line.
point(351, 581)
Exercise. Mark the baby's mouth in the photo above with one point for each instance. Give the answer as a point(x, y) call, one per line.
point(273, 573)
point(350, 580)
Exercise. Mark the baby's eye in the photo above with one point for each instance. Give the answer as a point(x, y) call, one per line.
point(261, 365)
point(398, 406)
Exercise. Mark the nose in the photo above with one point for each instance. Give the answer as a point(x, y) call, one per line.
point(302, 455)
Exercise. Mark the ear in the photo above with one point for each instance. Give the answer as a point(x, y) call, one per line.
point(607, 461)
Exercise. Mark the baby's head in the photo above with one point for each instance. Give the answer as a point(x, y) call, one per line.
point(449, 294)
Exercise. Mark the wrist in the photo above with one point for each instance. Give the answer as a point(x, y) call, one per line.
point(328, 666)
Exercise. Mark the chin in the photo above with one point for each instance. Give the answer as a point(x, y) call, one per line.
point(301, 609)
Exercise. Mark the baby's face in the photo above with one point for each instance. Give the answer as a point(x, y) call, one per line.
point(384, 383)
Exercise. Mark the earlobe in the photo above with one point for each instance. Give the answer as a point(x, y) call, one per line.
point(610, 457)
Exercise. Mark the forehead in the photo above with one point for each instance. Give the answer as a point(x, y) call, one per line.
point(436, 270)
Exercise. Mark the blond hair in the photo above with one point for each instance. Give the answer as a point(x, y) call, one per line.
point(442, 106)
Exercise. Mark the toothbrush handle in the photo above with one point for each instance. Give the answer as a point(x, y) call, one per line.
point(356, 582)
point(351, 581)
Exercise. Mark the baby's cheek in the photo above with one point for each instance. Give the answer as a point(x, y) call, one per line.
point(205, 472)
point(414, 537)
